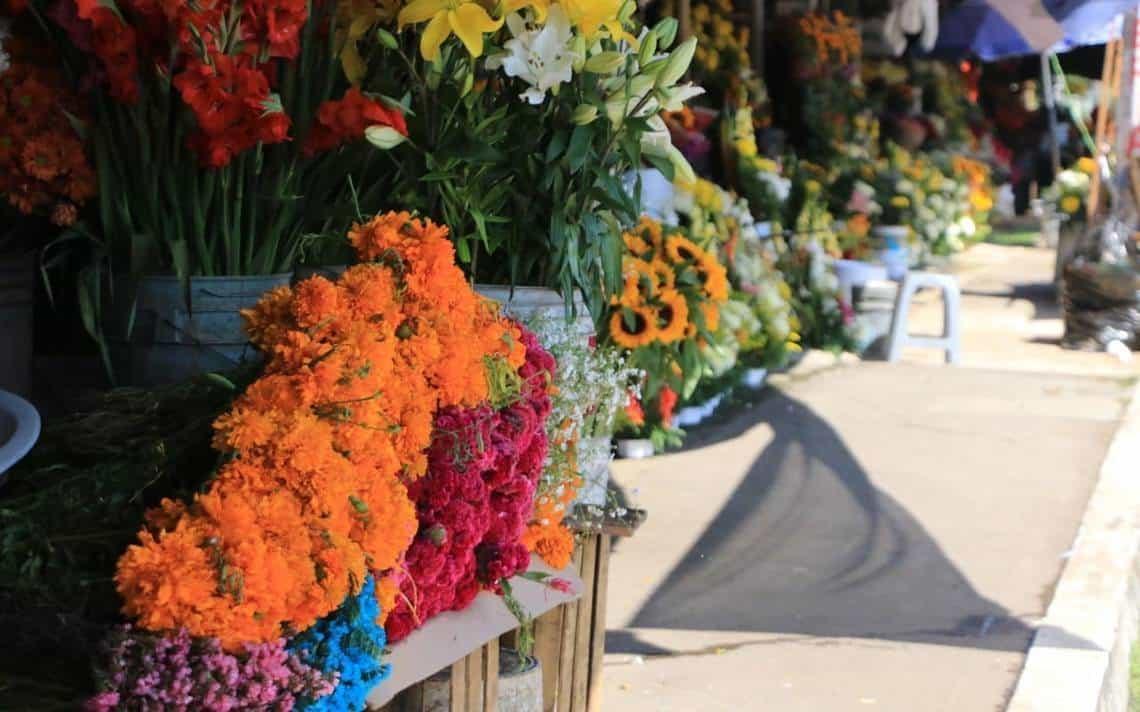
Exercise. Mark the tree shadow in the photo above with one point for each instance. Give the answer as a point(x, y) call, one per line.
point(807, 545)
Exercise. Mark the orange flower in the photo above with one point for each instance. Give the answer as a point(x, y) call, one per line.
point(666, 402)
point(312, 496)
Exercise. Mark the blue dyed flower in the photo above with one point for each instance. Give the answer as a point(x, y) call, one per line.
point(349, 643)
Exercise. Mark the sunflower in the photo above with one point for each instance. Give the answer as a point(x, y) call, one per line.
point(663, 272)
point(714, 278)
point(633, 327)
point(648, 230)
point(635, 244)
point(672, 316)
point(712, 315)
point(682, 249)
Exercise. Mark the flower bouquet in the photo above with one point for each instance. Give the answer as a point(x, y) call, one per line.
point(671, 298)
point(523, 119)
point(379, 469)
point(1070, 191)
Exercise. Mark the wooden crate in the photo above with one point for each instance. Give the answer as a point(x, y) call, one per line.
point(570, 641)
point(474, 686)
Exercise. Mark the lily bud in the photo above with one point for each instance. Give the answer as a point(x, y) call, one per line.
point(648, 47)
point(384, 137)
point(679, 60)
point(626, 11)
point(605, 62)
point(584, 114)
point(579, 48)
point(666, 31)
point(386, 38)
point(652, 69)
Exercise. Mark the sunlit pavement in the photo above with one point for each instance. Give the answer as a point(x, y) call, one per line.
point(868, 536)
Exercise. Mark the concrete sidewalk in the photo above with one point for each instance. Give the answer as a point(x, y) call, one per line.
point(867, 537)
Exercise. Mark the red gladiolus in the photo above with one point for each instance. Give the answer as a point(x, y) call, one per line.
point(232, 106)
point(345, 120)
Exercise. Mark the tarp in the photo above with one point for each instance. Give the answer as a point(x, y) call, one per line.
point(993, 29)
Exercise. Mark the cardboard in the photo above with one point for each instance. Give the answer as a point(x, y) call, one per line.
point(451, 636)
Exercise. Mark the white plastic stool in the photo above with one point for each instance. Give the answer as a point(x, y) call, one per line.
point(900, 338)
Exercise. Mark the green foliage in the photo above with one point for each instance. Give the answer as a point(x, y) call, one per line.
point(68, 512)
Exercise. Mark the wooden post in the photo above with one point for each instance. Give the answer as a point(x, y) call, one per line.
point(684, 20)
point(1110, 78)
point(756, 46)
point(598, 640)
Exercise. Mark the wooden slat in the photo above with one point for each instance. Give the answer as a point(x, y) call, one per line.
point(459, 686)
point(598, 640)
point(491, 677)
point(584, 628)
point(474, 681)
point(566, 652)
point(548, 648)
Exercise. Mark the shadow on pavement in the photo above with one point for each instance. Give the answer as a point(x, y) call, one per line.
point(1042, 295)
point(807, 545)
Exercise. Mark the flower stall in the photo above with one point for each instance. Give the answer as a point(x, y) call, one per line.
point(380, 288)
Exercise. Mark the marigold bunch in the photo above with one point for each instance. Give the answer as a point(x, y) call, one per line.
point(312, 495)
point(833, 39)
point(44, 168)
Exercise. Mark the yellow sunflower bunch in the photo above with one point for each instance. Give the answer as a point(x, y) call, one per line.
point(672, 288)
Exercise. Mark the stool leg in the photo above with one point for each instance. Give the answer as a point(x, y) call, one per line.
point(898, 335)
point(951, 301)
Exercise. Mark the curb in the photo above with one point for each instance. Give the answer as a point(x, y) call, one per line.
point(1079, 658)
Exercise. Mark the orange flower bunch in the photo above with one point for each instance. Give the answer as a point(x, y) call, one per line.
point(836, 34)
point(672, 287)
point(977, 176)
point(312, 495)
point(44, 168)
point(547, 535)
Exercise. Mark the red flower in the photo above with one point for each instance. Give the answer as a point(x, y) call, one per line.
point(345, 120)
point(666, 402)
point(232, 106)
point(633, 411)
point(561, 585)
point(279, 23)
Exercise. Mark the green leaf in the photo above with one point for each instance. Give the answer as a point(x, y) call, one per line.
point(662, 165)
point(579, 150)
point(557, 145)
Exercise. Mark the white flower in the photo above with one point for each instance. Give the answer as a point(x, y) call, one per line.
point(678, 95)
point(542, 57)
point(781, 187)
point(904, 186)
point(967, 226)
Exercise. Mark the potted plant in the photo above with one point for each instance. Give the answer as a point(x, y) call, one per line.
point(521, 123)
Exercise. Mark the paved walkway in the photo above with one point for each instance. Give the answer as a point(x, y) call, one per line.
point(867, 536)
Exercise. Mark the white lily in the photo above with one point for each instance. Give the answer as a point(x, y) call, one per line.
point(541, 57)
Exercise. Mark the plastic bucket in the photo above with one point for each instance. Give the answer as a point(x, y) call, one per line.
point(594, 455)
point(19, 430)
point(174, 338)
point(17, 297)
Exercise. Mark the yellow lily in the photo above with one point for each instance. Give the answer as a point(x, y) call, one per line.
point(540, 8)
point(590, 16)
point(466, 19)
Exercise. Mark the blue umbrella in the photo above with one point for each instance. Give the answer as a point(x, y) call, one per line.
point(992, 29)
